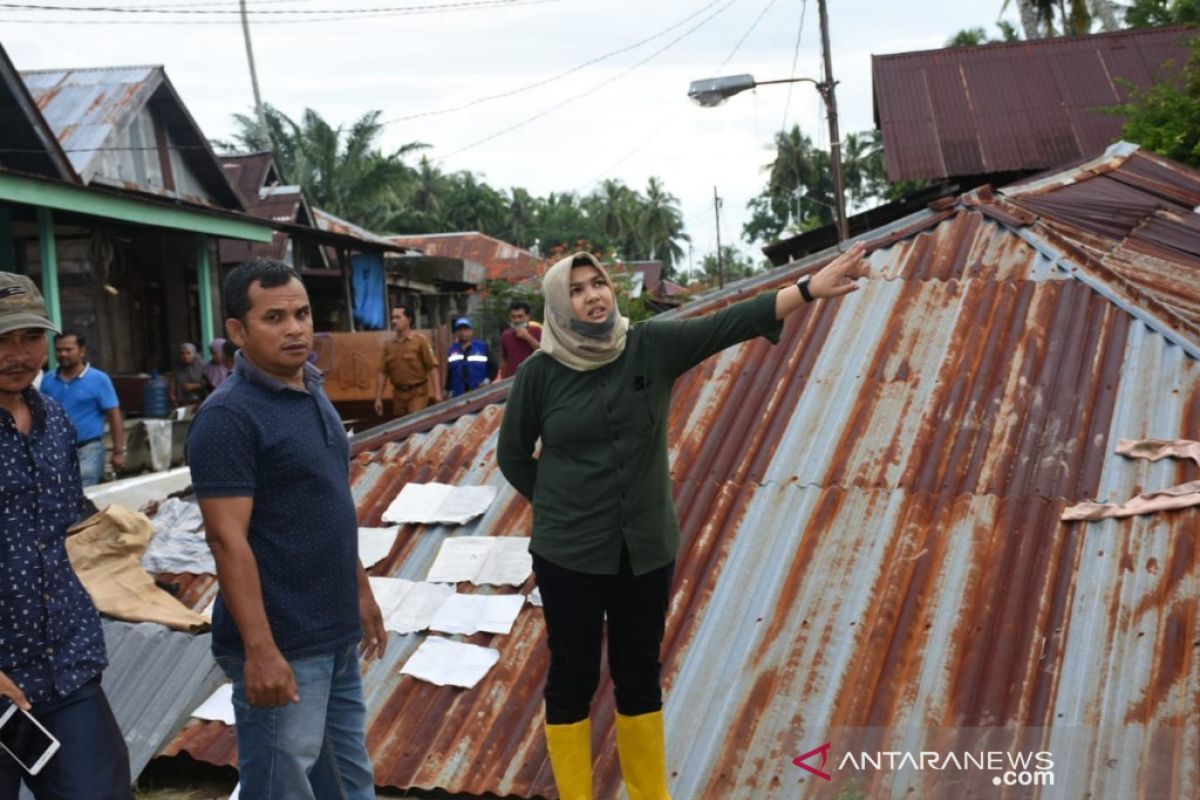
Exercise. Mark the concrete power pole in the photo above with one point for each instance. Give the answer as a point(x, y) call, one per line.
point(264, 135)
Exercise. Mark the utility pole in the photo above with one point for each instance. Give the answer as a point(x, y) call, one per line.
point(835, 140)
point(264, 135)
point(720, 263)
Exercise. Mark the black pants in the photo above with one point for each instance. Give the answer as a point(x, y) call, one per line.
point(575, 604)
point(92, 762)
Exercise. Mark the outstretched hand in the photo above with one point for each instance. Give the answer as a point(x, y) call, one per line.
point(839, 276)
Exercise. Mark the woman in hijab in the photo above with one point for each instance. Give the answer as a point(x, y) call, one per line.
point(187, 382)
point(605, 533)
point(216, 370)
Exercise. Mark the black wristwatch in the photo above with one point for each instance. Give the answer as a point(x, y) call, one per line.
point(802, 285)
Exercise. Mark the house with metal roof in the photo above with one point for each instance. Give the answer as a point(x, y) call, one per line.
point(994, 112)
point(112, 200)
point(872, 551)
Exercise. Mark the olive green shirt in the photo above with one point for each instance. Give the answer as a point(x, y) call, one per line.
point(603, 477)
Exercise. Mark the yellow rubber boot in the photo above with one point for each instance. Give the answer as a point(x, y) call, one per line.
point(642, 745)
point(570, 749)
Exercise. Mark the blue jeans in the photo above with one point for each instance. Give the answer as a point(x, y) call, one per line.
point(92, 762)
point(91, 462)
point(312, 750)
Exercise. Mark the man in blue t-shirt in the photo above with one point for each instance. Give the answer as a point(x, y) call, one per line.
point(270, 464)
point(88, 396)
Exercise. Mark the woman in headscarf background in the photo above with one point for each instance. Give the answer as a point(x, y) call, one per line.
point(605, 531)
point(216, 370)
point(187, 381)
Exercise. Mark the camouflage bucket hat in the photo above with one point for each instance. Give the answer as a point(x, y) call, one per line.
point(21, 305)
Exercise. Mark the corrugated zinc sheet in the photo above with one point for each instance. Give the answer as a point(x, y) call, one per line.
point(88, 108)
point(502, 260)
point(870, 537)
point(248, 173)
point(1013, 107)
point(155, 679)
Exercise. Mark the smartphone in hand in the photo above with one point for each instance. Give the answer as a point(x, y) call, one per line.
point(25, 739)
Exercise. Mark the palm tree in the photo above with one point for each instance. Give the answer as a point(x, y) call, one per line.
point(801, 174)
point(968, 37)
point(612, 209)
point(660, 224)
point(342, 171)
point(472, 205)
point(1074, 16)
point(520, 217)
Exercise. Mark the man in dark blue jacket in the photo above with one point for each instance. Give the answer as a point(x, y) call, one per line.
point(470, 363)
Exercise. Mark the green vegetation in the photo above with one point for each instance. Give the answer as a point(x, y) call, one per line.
point(345, 173)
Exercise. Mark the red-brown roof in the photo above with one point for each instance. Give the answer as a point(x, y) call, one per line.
point(1012, 107)
point(248, 173)
point(503, 261)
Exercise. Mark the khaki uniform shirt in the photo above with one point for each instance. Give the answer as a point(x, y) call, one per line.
point(406, 362)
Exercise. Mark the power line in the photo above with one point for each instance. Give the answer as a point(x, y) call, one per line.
point(745, 36)
point(559, 76)
point(343, 14)
point(222, 12)
point(592, 90)
point(795, 57)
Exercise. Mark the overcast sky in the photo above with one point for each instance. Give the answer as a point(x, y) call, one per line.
point(625, 117)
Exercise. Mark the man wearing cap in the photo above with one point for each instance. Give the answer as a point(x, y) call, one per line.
point(52, 649)
point(89, 398)
point(469, 364)
point(407, 362)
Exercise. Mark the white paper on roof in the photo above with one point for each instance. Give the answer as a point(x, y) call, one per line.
point(485, 560)
point(434, 503)
point(407, 606)
point(218, 707)
point(445, 663)
point(471, 613)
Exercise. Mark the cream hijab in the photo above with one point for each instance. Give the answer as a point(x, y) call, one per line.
point(569, 340)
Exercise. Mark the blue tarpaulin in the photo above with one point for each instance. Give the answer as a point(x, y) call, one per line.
point(370, 300)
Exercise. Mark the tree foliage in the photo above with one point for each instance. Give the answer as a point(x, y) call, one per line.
point(346, 174)
point(1162, 13)
point(799, 193)
point(1165, 117)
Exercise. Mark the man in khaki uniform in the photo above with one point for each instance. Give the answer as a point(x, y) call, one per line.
point(408, 364)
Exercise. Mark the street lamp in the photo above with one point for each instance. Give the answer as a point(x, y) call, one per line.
point(711, 92)
point(714, 91)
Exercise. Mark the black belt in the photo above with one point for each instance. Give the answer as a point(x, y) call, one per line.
point(408, 387)
point(89, 441)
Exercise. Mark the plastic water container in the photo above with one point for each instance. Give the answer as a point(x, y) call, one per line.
point(156, 398)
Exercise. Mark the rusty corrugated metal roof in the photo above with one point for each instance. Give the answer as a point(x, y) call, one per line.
point(92, 113)
point(27, 144)
point(502, 260)
point(336, 225)
point(1012, 107)
point(249, 173)
point(279, 204)
point(86, 108)
point(870, 534)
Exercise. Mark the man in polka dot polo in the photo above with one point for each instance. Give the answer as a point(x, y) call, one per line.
point(51, 643)
point(270, 464)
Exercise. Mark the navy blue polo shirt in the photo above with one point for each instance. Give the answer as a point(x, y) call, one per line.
point(87, 398)
point(256, 436)
point(51, 642)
